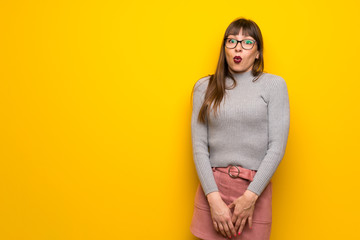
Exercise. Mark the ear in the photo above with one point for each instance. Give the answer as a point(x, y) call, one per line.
point(257, 55)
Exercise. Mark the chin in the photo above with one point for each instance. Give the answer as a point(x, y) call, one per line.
point(238, 70)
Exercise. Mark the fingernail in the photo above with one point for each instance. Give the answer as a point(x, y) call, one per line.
point(239, 233)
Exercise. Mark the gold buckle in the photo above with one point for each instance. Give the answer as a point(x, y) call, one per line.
point(230, 172)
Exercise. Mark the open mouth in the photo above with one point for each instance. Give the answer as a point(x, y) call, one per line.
point(237, 59)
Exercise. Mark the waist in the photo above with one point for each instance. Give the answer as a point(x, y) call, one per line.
point(236, 171)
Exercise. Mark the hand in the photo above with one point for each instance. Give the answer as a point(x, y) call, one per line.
point(221, 215)
point(244, 209)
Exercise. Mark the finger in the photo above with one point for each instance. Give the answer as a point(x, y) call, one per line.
point(234, 217)
point(231, 227)
point(216, 226)
point(221, 227)
point(237, 225)
point(227, 230)
point(231, 205)
point(242, 224)
point(250, 221)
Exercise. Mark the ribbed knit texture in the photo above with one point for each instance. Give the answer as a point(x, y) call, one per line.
point(250, 130)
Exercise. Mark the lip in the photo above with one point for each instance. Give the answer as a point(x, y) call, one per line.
point(237, 59)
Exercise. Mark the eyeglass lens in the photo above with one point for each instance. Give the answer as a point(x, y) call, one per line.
point(246, 43)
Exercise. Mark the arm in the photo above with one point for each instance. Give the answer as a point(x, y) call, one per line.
point(199, 135)
point(220, 213)
point(278, 128)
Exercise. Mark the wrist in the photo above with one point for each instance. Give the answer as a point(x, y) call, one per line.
point(213, 197)
point(251, 195)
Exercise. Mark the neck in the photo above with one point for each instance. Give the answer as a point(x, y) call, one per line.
point(243, 75)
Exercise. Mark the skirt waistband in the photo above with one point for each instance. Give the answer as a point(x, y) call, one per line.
point(236, 171)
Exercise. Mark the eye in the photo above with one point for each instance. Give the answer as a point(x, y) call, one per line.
point(232, 40)
point(249, 42)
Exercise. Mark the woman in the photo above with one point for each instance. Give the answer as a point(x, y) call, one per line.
point(239, 127)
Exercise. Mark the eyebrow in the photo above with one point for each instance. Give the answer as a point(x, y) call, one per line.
point(246, 37)
point(242, 39)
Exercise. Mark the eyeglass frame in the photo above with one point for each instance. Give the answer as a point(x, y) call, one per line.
point(239, 41)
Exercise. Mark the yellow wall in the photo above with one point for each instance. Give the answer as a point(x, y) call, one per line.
point(95, 115)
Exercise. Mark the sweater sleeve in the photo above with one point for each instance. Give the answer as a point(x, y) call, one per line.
point(199, 136)
point(278, 130)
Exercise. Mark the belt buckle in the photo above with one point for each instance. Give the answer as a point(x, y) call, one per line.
point(230, 172)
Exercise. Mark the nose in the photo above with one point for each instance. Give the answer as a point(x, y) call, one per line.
point(238, 47)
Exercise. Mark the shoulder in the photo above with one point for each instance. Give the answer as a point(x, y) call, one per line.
point(202, 83)
point(272, 81)
point(274, 86)
point(269, 77)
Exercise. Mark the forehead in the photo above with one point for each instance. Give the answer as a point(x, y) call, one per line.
point(240, 34)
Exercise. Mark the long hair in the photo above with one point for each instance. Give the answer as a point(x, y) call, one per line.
point(216, 87)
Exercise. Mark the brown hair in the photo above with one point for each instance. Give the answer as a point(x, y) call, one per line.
point(216, 87)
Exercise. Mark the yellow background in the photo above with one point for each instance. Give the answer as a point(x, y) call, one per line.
point(95, 115)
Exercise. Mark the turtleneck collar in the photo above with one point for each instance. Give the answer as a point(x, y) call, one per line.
point(243, 75)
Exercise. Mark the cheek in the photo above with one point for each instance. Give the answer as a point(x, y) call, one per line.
point(251, 56)
point(226, 54)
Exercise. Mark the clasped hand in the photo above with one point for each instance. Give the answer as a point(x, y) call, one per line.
point(244, 209)
point(222, 218)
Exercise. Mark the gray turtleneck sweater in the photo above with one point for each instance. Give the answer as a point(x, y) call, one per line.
point(251, 129)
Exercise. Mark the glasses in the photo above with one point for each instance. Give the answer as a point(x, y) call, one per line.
point(245, 43)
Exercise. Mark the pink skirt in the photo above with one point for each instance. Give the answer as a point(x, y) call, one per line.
point(230, 189)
